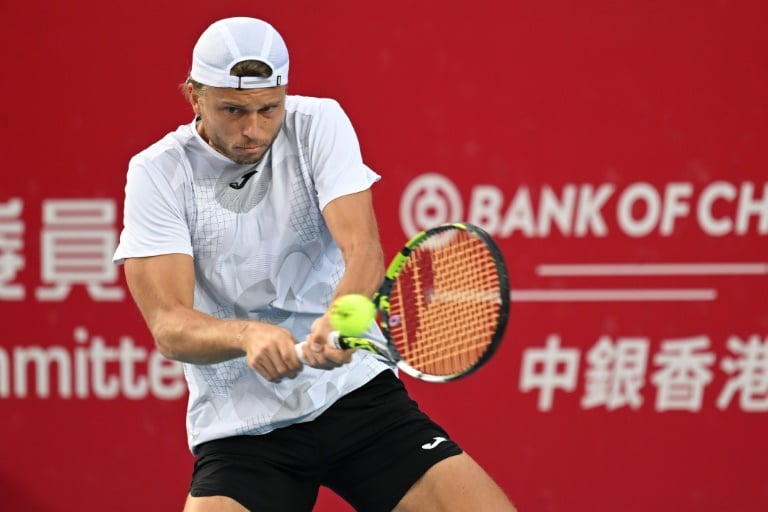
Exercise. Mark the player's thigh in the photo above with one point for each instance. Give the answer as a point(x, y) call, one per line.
point(213, 504)
point(455, 484)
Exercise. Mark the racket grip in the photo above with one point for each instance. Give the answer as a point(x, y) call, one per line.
point(299, 347)
point(334, 340)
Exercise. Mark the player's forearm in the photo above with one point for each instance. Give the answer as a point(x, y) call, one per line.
point(364, 269)
point(189, 336)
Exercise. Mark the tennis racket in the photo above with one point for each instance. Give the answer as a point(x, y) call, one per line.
point(443, 305)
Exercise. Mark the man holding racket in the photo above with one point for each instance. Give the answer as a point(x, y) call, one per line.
point(239, 230)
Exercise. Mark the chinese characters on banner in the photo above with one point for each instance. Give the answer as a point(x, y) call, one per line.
point(617, 370)
point(78, 239)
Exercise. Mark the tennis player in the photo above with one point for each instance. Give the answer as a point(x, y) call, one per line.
point(240, 227)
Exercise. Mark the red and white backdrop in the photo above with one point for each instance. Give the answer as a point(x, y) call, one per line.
point(616, 150)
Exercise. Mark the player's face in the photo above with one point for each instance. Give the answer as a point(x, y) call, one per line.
point(240, 124)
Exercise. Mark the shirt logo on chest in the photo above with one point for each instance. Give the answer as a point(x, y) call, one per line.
point(238, 185)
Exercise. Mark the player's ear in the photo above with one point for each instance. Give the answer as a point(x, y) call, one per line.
point(194, 99)
point(192, 94)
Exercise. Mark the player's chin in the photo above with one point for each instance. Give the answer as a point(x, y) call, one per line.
point(246, 161)
point(245, 157)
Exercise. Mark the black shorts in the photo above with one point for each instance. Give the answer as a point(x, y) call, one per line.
point(369, 447)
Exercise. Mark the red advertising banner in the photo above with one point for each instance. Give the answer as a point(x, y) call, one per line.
point(616, 151)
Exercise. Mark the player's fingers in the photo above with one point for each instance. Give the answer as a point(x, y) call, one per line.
point(283, 362)
point(317, 338)
point(313, 358)
point(333, 357)
point(289, 363)
point(316, 343)
point(318, 359)
point(347, 357)
point(337, 356)
point(266, 370)
point(270, 365)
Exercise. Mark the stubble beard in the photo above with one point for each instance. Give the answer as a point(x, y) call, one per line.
point(231, 151)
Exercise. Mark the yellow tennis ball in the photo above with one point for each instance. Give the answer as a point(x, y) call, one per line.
point(351, 314)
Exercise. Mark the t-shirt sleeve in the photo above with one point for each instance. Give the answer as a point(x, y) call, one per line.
point(336, 161)
point(154, 222)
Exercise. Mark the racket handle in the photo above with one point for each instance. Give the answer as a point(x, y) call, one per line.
point(333, 340)
point(299, 347)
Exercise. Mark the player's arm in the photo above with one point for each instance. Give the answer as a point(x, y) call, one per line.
point(163, 289)
point(352, 223)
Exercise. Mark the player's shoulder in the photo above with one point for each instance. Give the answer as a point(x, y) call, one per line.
point(169, 147)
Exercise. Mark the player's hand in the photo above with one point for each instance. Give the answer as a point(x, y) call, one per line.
point(269, 351)
point(318, 353)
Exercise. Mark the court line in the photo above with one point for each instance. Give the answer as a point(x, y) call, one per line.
point(615, 295)
point(652, 269)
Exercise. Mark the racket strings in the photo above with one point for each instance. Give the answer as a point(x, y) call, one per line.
point(448, 300)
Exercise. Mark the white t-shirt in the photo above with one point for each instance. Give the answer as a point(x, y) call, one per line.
point(261, 251)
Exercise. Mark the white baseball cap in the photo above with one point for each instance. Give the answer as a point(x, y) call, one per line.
point(232, 40)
